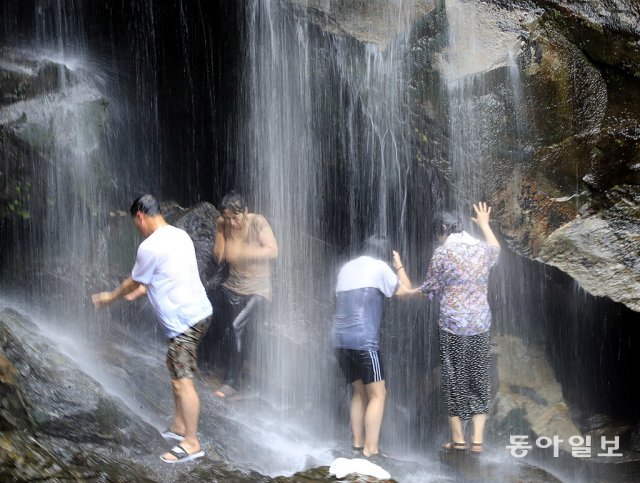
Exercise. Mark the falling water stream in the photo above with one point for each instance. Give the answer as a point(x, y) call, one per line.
point(318, 131)
point(316, 127)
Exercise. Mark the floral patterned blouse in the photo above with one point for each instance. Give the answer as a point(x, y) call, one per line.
point(458, 275)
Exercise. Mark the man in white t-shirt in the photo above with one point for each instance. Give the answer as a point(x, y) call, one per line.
point(166, 269)
point(362, 285)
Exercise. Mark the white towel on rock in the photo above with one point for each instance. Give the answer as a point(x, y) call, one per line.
point(341, 467)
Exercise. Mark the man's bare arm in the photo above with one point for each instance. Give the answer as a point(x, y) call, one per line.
point(103, 299)
point(137, 293)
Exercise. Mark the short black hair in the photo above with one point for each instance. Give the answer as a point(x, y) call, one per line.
point(233, 201)
point(377, 246)
point(146, 204)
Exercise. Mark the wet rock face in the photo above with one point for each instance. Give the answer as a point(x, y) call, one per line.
point(370, 21)
point(574, 158)
point(68, 427)
point(58, 409)
point(52, 119)
point(22, 78)
point(565, 93)
point(585, 154)
point(607, 31)
point(13, 411)
point(62, 400)
point(25, 119)
point(574, 94)
point(529, 397)
point(600, 250)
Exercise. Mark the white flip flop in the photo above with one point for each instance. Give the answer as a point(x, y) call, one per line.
point(182, 456)
point(168, 434)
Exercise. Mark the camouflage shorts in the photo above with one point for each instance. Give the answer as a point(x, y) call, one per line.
point(182, 357)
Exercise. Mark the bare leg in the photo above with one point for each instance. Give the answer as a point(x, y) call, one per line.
point(478, 431)
point(178, 425)
point(358, 407)
point(187, 412)
point(376, 393)
point(457, 434)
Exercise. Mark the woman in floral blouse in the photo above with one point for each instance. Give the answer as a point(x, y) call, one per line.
point(458, 274)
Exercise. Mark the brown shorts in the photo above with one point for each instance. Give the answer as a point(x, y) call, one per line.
point(182, 357)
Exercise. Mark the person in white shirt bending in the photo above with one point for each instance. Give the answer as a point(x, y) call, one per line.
point(166, 266)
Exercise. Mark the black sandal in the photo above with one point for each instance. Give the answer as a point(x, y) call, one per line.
point(378, 458)
point(453, 446)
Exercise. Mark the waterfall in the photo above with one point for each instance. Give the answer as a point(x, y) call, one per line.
point(80, 131)
point(326, 155)
point(485, 101)
point(318, 139)
point(331, 118)
point(61, 131)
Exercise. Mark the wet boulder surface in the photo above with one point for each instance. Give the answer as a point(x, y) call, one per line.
point(69, 426)
point(57, 423)
point(563, 182)
point(553, 88)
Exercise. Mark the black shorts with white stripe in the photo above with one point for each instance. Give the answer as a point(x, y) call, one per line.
point(360, 364)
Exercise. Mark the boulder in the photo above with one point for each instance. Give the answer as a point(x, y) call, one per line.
point(607, 31)
point(63, 402)
point(529, 398)
point(369, 21)
point(199, 222)
point(13, 410)
point(22, 77)
point(600, 250)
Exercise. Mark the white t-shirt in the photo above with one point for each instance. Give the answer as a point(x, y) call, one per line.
point(166, 264)
point(367, 272)
point(362, 283)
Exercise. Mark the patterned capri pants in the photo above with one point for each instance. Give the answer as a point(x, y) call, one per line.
point(466, 381)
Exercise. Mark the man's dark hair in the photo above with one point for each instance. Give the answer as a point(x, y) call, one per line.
point(449, 223)
point(146, 204)
point(377, 246)
point(234, 202)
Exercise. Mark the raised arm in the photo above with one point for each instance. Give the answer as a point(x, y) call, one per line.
point(482, 220)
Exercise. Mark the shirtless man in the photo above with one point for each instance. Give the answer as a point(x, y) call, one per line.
point(246, 243)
